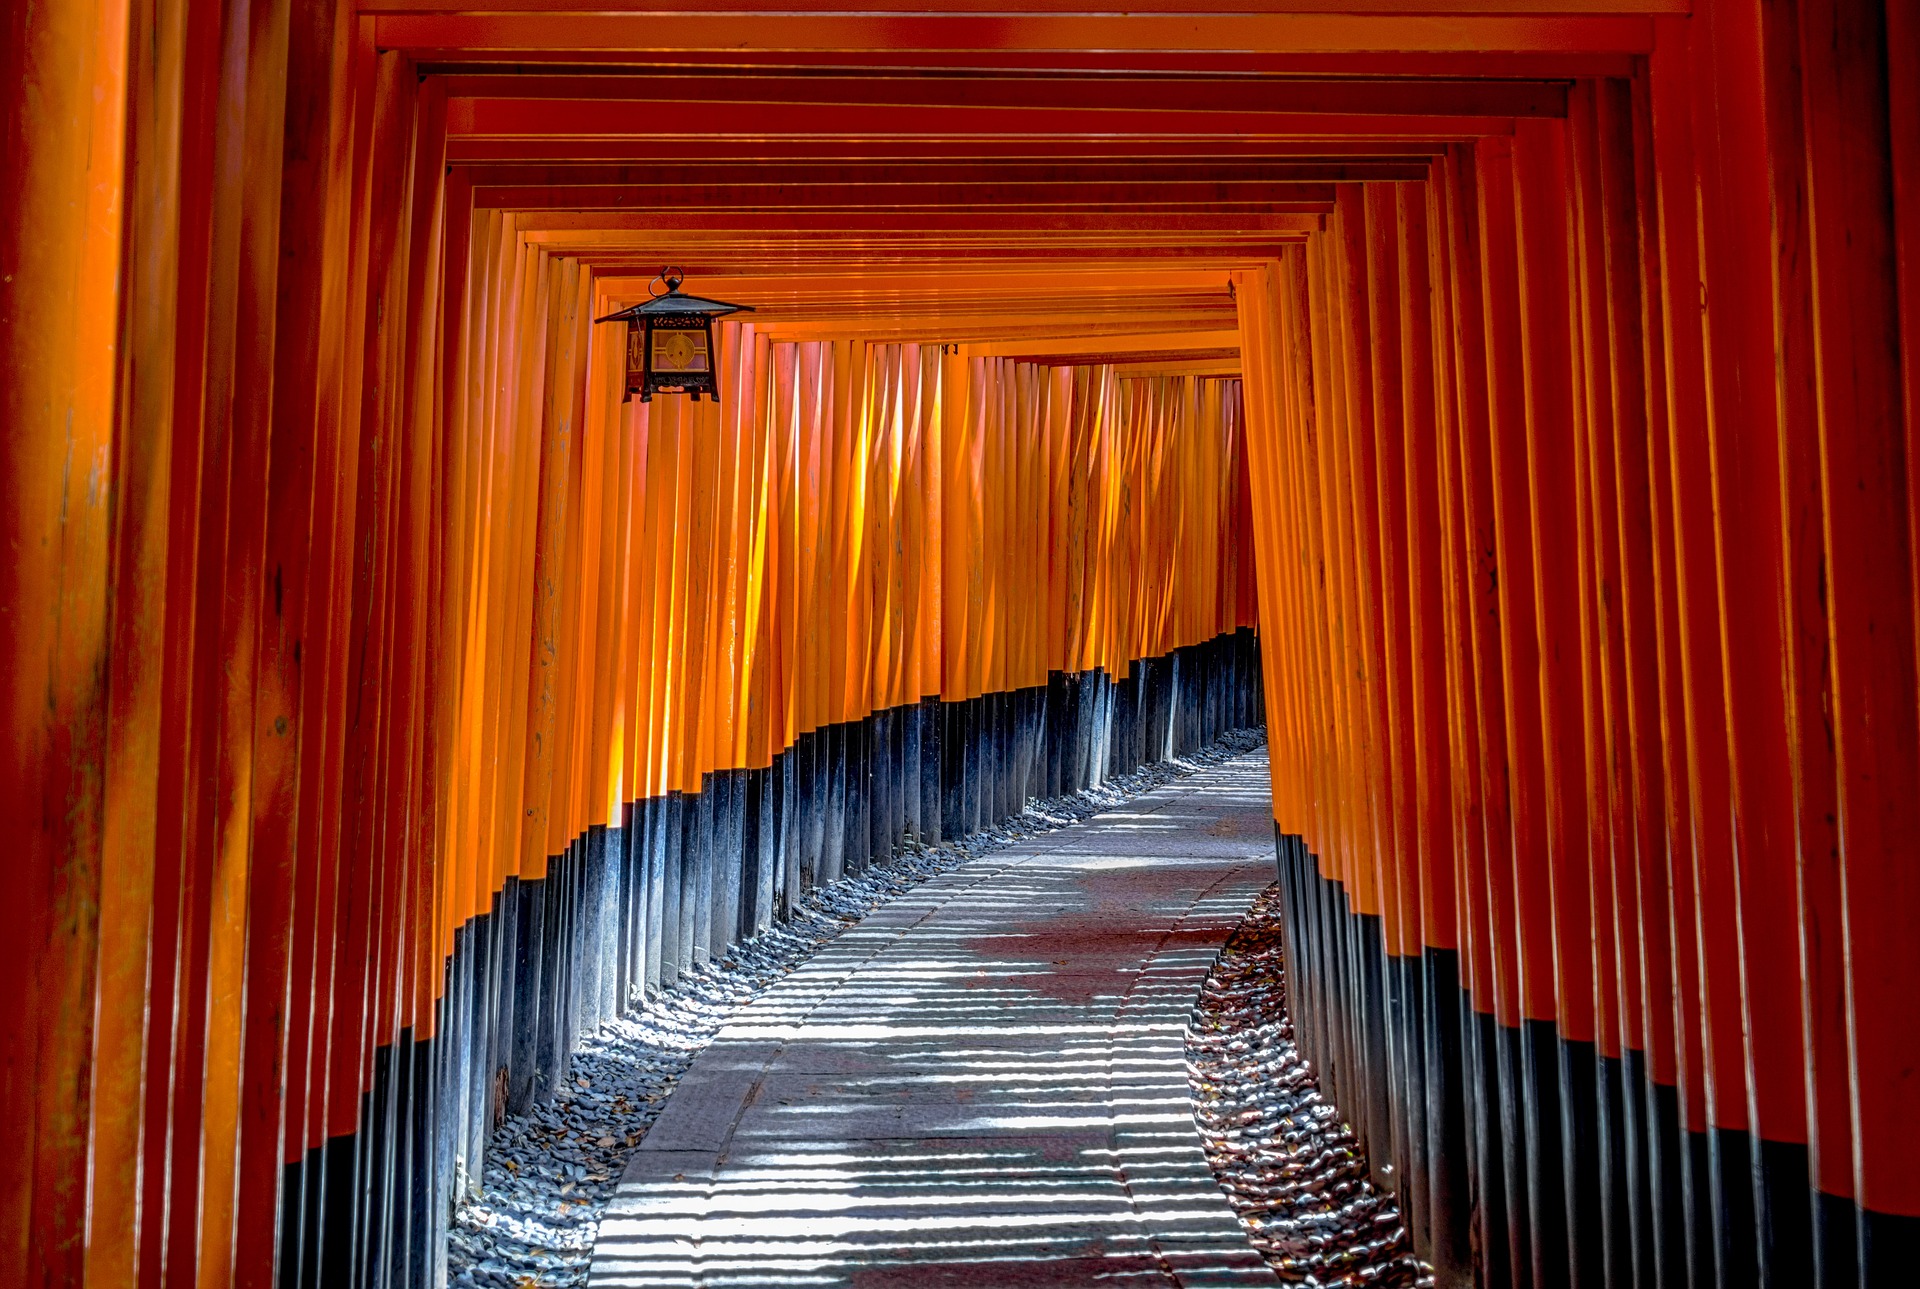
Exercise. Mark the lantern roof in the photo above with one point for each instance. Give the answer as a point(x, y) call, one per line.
point(673, 301)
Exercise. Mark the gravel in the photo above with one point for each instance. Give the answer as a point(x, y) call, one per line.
point(1289, 1164)
point(550, 1172)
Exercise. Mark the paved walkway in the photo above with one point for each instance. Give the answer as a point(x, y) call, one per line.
point(982, 1084)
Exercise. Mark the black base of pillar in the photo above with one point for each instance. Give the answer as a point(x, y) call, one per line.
point(624, 911)
point(1535, 1160)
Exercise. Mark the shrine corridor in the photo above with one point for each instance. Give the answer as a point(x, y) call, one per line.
point(508, 505)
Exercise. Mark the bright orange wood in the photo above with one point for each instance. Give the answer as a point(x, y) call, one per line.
point(1541, 382)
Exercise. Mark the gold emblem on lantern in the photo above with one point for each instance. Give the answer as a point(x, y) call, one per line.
point(679, 351)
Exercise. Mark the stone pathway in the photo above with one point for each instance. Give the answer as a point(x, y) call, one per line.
point(982, 1084)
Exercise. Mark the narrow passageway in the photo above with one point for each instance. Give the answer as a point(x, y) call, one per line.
point(983, 1083)
point(522, 520)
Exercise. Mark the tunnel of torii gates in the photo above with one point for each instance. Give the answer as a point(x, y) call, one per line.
point(387, 702)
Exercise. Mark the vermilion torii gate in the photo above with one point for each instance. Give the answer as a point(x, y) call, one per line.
point(1538, 381)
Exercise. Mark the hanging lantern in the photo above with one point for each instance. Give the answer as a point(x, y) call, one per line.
point(670, 341)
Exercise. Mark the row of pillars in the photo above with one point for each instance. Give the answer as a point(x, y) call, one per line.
point(627, 911)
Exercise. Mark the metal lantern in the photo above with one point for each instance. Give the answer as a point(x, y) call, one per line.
point(670, 341)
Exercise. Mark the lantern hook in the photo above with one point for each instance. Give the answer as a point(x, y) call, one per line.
point(669, 277)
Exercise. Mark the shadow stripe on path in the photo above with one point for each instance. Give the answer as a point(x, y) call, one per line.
point(983, 1083)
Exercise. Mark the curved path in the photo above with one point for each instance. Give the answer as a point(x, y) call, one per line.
point(983, 1083)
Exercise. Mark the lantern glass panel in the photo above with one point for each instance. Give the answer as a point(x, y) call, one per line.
point(636, 357)
point(678, 349)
